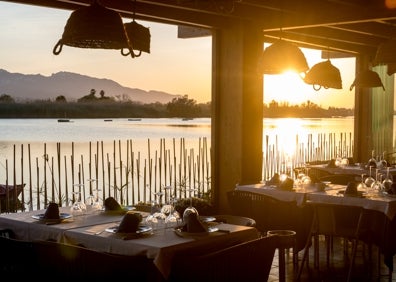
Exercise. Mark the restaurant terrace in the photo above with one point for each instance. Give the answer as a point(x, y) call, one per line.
point(239, 30)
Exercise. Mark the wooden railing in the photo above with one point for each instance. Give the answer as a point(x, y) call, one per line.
point(133, 177)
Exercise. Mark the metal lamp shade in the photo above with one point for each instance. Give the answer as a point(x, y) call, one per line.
point(385, 53)
point(94, 26)
point(282, 56)
point(391, 68)
point(139, 37)
point(325, 75)
point(367, 79)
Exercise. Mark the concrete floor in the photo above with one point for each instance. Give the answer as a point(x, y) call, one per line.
point(364, 268)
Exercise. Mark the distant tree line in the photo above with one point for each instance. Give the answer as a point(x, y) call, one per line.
point(92, 106)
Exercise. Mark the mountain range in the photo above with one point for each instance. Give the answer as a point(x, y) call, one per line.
point(30, 87)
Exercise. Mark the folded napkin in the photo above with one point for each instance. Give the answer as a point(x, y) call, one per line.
point(275, 180)
point(332, 164)
point(52, 211)
point(130, 222)
point(111, 204)
point(286, 184)
point(373, 164)
point(192, 224)
point(351, 189)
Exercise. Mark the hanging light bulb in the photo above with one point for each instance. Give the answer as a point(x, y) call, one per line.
point(282, 56)
point(367, 79)
point(324, 74)
point(94, 26)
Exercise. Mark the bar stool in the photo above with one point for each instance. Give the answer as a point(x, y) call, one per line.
point(287, 240)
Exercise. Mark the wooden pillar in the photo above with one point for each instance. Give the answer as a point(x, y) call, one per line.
point(373, 128)
point(237, 104)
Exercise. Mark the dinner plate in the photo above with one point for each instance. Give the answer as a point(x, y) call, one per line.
point(360, 194)
point(204, 218)
point(181, 233)
point(142, 230)
point(124, 210)
point(62, 216)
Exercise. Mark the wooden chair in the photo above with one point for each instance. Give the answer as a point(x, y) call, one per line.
point(78, 263)
point(248, 261)
point(17, 257)
point(335, 221)
point(235, 219)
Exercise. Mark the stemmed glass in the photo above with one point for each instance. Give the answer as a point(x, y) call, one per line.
point(369, 180)
point(173, 217)
point(362, 186)
point(156, 216)
point(190, 209)
point(78, 208)
point(377, 186)
point(388, 181)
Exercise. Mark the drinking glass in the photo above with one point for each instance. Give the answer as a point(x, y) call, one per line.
point(387, 182)
point(377, 186)
point(156, 217)
point(362, 186)
point(370, 179)
point(190, 209)
point(78, 208)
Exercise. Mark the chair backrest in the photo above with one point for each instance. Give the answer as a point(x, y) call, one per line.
point(235, 219)
point(337, 220)
point(342, 179)
point(17, 257)
point(272, 214)
point(248, 261)
point(70, 261)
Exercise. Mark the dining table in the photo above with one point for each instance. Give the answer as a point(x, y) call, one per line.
point(380, 208)
point(355, 169)
point(97, 231)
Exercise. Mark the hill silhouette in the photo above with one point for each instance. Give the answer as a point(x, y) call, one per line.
point(30, 87)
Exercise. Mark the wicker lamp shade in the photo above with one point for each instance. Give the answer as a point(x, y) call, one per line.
point(367, 79)
point(324, 74)
point(93, 26)
point(385, 53)
point(139, 37)
point(282, 56)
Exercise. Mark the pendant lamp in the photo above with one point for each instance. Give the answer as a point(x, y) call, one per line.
point(324, 74)
point(139, 37)
point(367, 79)
point(94, 26)
point(391, 68)
point(385, 53)
point(282, 56)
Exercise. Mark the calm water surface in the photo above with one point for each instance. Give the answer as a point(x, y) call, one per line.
point(27, 141)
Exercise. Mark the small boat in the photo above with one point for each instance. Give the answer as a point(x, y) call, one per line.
point(63, 120)
point(108, 120)
point(134, 119)
point(184, 119)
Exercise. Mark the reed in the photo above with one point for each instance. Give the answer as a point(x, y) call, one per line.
point(134, 177)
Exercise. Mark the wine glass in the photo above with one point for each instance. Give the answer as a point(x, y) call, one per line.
point(190, 209)
point(362, 186)
point(370, 179)
point(78, 208)
point(156, 217)
point(388, 181)
point(173, 217)
point(377, 187)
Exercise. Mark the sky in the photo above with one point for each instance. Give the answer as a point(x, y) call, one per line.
point(176, 66)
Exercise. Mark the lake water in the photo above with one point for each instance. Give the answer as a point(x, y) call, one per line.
point(36, 132)
point(47, 154)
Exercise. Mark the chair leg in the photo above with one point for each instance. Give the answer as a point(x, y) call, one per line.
point(352, 262)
